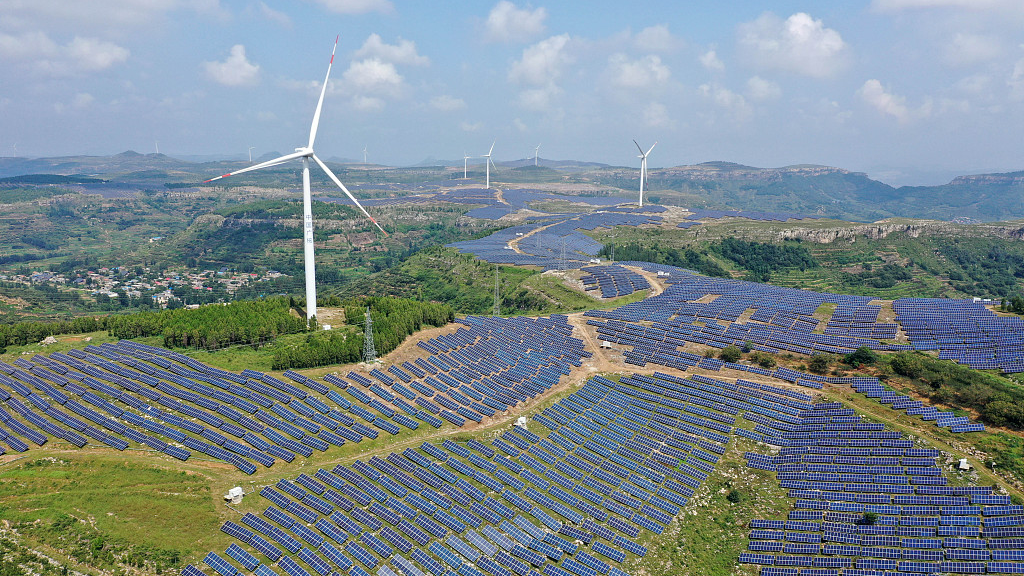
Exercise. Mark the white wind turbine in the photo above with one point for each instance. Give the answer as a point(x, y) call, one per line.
point(251, 148)
point(535, 152)
point(643, 168)
point(305, 153)
point(364, 154)
point(488, 156)
point(465, 165)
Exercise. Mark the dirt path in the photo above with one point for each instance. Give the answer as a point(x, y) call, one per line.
point(514, 243)
point(499, 195)
point(657, 286)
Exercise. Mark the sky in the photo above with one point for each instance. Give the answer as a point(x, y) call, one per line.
point(910, 91)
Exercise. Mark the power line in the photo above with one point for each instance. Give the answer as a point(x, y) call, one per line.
point(369, 352)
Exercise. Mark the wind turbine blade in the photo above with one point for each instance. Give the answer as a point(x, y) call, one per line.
point(492, 148)
point(267, 164)
point(652, 147)
point(640, 149)
point(347, 193)
point(320, 103)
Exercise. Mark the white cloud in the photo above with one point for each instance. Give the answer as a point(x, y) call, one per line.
point(404, 52)
point(373, 76)
point(274, 15)
point(967, 49)
point(94, 54)
point(760, 89)
point(235, 70)
point(114, 16)
point(82, 100)
point(357, 6)
point(1016, 81)
point(726, 99)
point(656, 115)
point(657, 38)
point(520, 125)
point(43, 55)
point(507, 23)
point(470, 126)
point(540, 68)
point(799, 44)
point(542, 63)
point(367, 103)
point(446, 103)
point(640, 73)
point(889, 104)
point(711, 61)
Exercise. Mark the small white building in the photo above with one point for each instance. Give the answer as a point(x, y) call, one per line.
point(662, 274)
point(521, 421)
point(964, 465)
point(234, 496)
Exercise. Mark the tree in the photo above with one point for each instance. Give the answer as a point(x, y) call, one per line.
point(868, 519)
point(905, 364)
point(820, 363)
point(862, 356)
point(730, 353)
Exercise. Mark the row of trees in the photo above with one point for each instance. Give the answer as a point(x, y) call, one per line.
point(680, 257)
point(393, 320)
point(250, 322)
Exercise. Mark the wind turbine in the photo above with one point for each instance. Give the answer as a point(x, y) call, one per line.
point(488, 156)
point(465, 165)
point(157, 144)
point(643, 168)
point(364, 154)
point(535, 151)
point(15, 146)
point(250, 153)
point(305, 153)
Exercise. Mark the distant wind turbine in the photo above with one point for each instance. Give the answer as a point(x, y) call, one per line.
point(488, 156)
point(465, 165)
point(535, 152)
point(364, 154)
point(643, 168)
point(15, 146)
point(305, 153)
point(157, 144)
point(250, 153)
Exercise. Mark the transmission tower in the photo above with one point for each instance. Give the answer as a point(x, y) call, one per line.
point(369, 352)
point(497, 301)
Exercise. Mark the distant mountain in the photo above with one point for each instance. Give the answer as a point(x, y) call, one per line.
point(802, 188)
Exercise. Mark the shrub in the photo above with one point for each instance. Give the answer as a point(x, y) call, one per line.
point(862, 356)
point(906, 364)
point(730, 353)
point(819, 363)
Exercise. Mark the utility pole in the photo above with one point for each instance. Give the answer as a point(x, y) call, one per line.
point(369, 352)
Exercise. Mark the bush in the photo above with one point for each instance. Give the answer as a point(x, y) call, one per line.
point(820, 363)
point(862, 356)
point(730, 354)
point(868, 519)
point(763, 359)
point(906, 364)
point(734, 496)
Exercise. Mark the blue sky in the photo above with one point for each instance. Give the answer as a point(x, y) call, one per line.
point(907, 90)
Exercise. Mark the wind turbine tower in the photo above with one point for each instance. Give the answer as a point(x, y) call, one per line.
point(250, 153)
point(364, 154)
point(488, 156)
point(305, 153)
point(465, 165)
point(643, 168)
point(535, 152)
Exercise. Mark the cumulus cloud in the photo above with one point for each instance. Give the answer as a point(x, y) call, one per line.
point(542, 63)
point(656, 38)
point(43, 55)
point(967, 49)
point(640, 73)
point(235, 70)
point(760, 89)
point(404, 52)
point(373, 77)
point(889, 104)
point(726, 99)
point(539, 69)
point(108, 15)
point(82, 100)
point(470, 126)
point(508, 23)
point(272, 15)
point(711, 61)
point(357, 6)
point(446, 103)
point(798, 44)
point(656, 115)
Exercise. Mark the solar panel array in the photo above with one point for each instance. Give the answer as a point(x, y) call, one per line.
point(613, 281)
point(700, 214)
point(129, 393)
point(839, 469)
